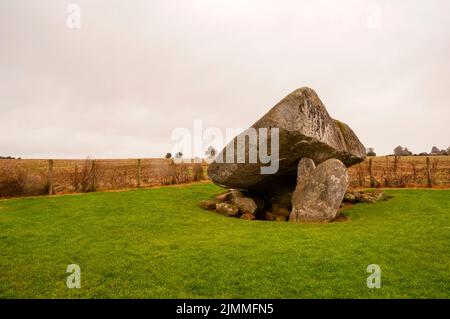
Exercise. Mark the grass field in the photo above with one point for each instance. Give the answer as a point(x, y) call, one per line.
point(156, 243)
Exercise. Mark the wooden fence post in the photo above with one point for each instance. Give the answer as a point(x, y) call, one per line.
point(50, 177)
point(430, 180)
point(76, 178)
point(372, 180)
point(138, 173)
point(93, 176)
point(396, 158)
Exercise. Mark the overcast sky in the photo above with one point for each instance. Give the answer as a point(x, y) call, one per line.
point(136, 70)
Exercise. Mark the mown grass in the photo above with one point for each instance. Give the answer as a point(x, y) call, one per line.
point(156, 243)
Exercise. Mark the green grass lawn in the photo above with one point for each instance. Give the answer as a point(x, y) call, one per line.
point(156, 243)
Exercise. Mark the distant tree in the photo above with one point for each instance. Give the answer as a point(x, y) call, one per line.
point(210, 152)
point(179, 155)
point(402, 151)
point(371, 152)
point(398, 151)
point(168, 155)
point(406, 152)
point(435, 150)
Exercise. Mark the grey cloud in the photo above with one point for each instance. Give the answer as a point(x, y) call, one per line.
point(138, 69)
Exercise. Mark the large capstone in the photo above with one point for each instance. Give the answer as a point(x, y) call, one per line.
point(306, 130)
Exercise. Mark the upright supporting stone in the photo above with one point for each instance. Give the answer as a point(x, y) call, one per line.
point(50, 177)
point(305, 168)
point(320, 197)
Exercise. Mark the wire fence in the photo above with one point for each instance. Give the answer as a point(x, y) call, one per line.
point(40, 177)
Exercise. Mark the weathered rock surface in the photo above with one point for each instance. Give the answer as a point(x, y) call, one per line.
point(245, 205)
point(227, 209)
point(363, 196)
point(236, 203)
point(224, 197)
point(321, 193)
point(351, 197)
point(305, 168)
point(305, 130)
point(207, 204)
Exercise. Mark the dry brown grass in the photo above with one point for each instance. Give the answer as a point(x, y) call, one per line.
point(402, 171)
point(18, 180)
point(29, 177)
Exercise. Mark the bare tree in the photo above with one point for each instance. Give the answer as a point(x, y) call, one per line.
point(210, 152)
point(402, 151)
point(435, 150)
point(371, 152)
point(398, 151)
